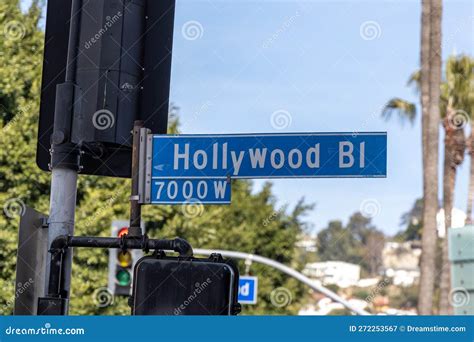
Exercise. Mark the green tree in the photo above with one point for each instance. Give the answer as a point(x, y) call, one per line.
point(412, 220)
point(368, 244)
point(20, 58)
point(335, 243)
point(359, 242)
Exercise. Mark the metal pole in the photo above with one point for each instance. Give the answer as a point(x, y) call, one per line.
point(63, 243)
point(63, 176)
point(135, 229)
point(62, 210)
point(74, 36)
point(285, 269)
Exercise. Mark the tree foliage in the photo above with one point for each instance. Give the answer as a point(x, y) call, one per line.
point(358, 242)
point(413, 222)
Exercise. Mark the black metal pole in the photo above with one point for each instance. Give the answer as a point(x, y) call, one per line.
point(74, 36)
point(178, 245)
point(60, 245)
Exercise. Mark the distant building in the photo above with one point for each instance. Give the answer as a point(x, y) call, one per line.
point(458, 220)
point(325, 306)
point(368, 282)
point(398, 312)
point(306, 242)
point(340, 273)
point(401, 262)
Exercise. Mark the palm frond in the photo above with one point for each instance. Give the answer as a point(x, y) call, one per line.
point(404, 109)
point(459, 82)
point(415, 80)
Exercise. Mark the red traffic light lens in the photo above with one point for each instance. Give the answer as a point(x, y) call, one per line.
point(123, 231)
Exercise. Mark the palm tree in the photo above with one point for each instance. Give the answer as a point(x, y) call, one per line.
point(470, 196)
point(455, 102)
point(430, 78)
point(456, 94)
point(470, 193)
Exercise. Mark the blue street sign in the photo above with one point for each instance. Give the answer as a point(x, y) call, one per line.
point(293, 155)
point(248, 287)
point(190, 191)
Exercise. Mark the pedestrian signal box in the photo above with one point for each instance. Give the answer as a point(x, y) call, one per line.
point(185, 286)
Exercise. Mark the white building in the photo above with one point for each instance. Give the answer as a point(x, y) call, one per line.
point(401, 277)
point(401, 262)
point(340, 273)
point(458, 220)
point(306, 242)
point(326, 305)
point(368, 282)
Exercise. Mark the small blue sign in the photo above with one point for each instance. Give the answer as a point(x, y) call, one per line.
point(248, 287)
point(190, 191)
point(293, 155)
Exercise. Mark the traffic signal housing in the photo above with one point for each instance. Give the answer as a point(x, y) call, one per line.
point(121, 69)
point(121, 263)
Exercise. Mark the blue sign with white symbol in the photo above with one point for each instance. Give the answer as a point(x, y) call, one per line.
point(190, 191)
point(293, 155)
point(248, 287)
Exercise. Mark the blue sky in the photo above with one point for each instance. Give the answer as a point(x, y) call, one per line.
point(309, 58)
point(329, 66)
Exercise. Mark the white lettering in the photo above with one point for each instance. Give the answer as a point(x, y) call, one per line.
point(362, 155)
point(214, 155)
point(236, 162)
point(160, 187)
point(172, 190)
point(346, 154)
point(178, 156)
point(219, 188)
point(224, 156)
point(257, 157)
point(245, 289)
point(203, 163)
point(313, 162)
point(299, 158)
point(281, 162)
point(188, 189)
point(202, 189)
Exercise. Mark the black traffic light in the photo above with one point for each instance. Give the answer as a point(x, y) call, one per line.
point(121, 73)
point(185, 286)
point(121, 263)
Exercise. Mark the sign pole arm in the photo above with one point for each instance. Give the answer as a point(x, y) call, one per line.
point(135, 206)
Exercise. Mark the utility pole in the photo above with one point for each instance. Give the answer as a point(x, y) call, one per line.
point(86, 128)
point(65, 155)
